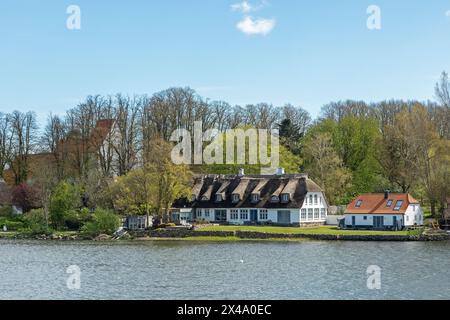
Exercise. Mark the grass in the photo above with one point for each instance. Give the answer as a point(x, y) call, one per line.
point(331, 230)
point(227, 239)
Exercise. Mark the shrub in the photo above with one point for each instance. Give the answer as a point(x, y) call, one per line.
point(75, 219)
point(35, 217)
point(103, 222)
point(166, 225)
point(35, 222)
point(6, 211)
point(11, 225)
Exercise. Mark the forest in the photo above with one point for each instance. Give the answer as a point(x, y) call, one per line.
point(352, 147)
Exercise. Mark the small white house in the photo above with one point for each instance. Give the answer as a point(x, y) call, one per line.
point(281, 199)
point(394, 211)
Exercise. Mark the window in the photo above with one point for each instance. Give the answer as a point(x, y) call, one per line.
point(244, 214)
point(285, 198)
point(310, 214)
point(255, 198)
point(414, 208)
point(320, 200)
point(263, 214)
point(389, 203)
point(310, 199)
point(398, 205)
point(218, 198)
point(358, 204)
point(199, 213)
point(407, 218)
point(274, 199)
point(365, 218)
point(236, 198)
point(322, 213)
point(234, 214)
point(206, 212)
point(316, 213)
point(315, 199)
point(303, 214)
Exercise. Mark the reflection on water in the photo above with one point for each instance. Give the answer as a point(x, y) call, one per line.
point(241, 270)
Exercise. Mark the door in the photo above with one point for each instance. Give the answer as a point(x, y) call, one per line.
point(284, 217)
point(221, 215)
point(253, 215)
point(353, 221)
point(394, 222)
point(378, 222)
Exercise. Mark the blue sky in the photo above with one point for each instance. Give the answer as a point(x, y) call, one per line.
point(317, 51)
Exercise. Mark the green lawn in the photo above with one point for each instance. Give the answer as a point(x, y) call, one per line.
point(333, 230)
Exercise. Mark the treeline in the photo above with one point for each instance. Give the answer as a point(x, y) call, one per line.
point(352, 147)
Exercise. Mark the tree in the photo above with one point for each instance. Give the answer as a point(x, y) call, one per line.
point(6, 141)
point(23, 130)
point(442, 90)
point(135, 193)
point(427, 155)
point(24, 196)
point(326, 167)
point(126, 144)
point(55, 132)
point(65, 198)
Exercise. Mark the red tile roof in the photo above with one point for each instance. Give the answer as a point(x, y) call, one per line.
point(375, 203)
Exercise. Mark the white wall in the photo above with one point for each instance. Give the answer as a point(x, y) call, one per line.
point(308, 204)
point(360, 221)
point(414, 215)
point(272, 214)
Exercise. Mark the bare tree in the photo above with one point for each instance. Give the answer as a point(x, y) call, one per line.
point(126, 145)
point(442, 90)
point(54, 133)
point(6, 142)
point(23, 130)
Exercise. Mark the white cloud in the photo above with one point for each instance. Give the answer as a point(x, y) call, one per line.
point(244, 7)
point(447, 13)
point(251, 26)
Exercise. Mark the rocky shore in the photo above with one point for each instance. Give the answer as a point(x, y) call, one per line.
point(180, 233)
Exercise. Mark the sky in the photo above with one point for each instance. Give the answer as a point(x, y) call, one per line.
point(307, 53)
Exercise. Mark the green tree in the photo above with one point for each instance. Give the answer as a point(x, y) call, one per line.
point(65, 198)
point(325, 166)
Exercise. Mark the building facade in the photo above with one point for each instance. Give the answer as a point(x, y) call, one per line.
point(383, 211)
point(279, 199)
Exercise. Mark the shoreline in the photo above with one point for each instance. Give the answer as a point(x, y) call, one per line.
point(228, 236)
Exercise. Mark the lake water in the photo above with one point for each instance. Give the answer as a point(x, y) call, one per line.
point(240, 270)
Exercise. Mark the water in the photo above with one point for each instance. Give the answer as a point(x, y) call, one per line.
point(241, 270)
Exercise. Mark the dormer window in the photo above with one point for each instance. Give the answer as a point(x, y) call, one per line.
point(204, 198)
point(285, 198)
point(255, 198)
point(218, 198)
point(275, 199)
point(193, 198)
point(358, 204)
point(398, 205)
point(389, 203)
point(236, 198)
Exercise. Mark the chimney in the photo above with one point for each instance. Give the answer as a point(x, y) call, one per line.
point(241, 172)
point(386, 194)
point(280, 171)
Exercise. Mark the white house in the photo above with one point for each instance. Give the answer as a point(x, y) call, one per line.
point(282, 199)
point(383, 211)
